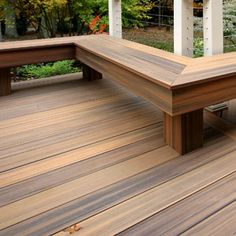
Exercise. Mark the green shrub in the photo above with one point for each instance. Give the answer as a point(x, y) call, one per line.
point(43, 70)
point(198, 47)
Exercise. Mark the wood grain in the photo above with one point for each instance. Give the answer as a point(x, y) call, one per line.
point(221, 223)
point(156, 69)
point(36, 55)
point(175, 84)
point(54, 177)
point(28, 207)
point(184, 132)
point(184, 216)
point(201, 95)
point(90, 74)
point(5, 82)
point(78, 155)
point(158, 95)
point(82, 208)
point(76, 132)
point(134, 210)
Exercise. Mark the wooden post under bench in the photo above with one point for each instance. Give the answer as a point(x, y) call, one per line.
point(184, 132)
point(91, 74)
point(5, 81)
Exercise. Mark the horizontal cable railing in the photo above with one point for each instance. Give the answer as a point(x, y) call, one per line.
point(156, 25)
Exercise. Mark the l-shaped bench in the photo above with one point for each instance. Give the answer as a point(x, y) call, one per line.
point(181, 87)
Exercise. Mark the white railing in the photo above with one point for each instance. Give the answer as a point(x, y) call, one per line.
point(209, 30)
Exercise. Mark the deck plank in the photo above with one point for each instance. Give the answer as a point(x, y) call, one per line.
point(221, 223)
point(187, 213)
point(94, 153)
point(82, 208)
point(136, 209)
point(41, 202)
point(151, 67)
point(50, 179)
point(153, 133)
point(69, 139)
point(106, 112)
point(48, 97)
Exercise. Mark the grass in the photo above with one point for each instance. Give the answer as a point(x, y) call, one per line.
point(151, 36)
point(43, 70)
point(163, 39)
point(167, 46)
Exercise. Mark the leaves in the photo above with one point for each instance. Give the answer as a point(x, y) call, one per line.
point(75, 16)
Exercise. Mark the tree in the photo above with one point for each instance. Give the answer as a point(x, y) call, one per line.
point(136, 10)
point(10, 19)
point(1, 32)
point(1, 19)
point(230, 21)
point(73, 17)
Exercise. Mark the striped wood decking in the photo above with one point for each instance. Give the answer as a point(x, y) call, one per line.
point(92, 153)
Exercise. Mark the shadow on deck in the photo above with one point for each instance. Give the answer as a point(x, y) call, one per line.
point(92, 153)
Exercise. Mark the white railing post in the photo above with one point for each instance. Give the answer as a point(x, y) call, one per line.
point(115, 18)
point(213, 27)
point(183, 27)
point(213, 35)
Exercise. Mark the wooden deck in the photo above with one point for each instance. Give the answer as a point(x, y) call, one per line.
point(179, 86)
point(75, 152)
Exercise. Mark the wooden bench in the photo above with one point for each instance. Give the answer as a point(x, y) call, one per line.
point(181, 87)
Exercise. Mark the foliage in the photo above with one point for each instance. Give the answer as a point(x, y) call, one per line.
point(230, 21)
point(135, 11)
point(198, 23)
point(43, 70)
point(73, 17)
point(198, 47)
point(229, 29)
point(167, 46)
point(97, 25)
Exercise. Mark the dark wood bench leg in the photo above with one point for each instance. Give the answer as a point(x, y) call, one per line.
point(91, 74)
point(184, 132)
point(5, 82)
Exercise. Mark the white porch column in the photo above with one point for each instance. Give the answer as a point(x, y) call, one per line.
point(115, 18)
point(213, 27)
point(183, 27)
point(213, 35)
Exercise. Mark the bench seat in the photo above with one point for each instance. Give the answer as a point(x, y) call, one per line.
point(181, 87)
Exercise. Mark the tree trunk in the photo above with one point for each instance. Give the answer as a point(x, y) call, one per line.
point(10, 19)
point(48, 26)
point(1, 39)
point(44, 32)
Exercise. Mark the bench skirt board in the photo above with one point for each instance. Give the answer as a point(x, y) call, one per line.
point(158, 95)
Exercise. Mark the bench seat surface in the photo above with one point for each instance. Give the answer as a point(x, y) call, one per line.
point(155, 65)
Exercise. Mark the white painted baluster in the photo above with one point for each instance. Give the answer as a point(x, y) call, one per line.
point(115, 18)
point(213, 35)
point(213, 27)
point(183, 27)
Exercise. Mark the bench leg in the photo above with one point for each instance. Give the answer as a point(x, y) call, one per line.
point(5, 82)
point(184, 132)
point(91, 74)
